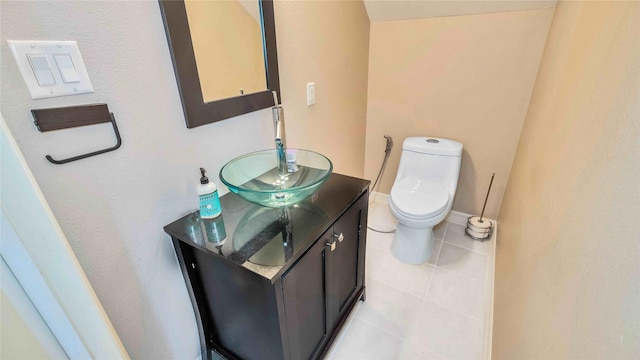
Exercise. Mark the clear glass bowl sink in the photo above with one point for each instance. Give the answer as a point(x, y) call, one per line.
point(256, 178)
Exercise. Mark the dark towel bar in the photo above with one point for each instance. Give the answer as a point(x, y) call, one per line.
point(67, 117)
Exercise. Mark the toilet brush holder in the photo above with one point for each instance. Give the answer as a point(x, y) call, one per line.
point(477, 227)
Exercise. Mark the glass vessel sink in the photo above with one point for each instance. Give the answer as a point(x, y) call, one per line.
point(264, 178)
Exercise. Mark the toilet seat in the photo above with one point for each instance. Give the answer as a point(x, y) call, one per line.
point(418, 199)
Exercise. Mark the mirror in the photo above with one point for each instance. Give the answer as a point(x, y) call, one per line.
point(224, 56)
point(227, 44)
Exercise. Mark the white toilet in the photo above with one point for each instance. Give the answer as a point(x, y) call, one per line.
point(422, 194)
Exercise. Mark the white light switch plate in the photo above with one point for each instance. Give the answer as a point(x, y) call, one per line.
point(76, 76)
point(311, 93)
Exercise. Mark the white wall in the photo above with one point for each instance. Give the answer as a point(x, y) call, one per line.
point(112, 207)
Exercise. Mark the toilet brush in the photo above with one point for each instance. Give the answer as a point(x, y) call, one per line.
point(477, 227)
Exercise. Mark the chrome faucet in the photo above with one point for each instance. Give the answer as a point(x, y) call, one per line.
point(278, 127)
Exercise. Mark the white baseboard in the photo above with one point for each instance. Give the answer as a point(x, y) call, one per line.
point(491, 275)
point(379, 197)
point(457, 217)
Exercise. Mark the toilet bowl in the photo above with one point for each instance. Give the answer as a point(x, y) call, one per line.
point(422, 194)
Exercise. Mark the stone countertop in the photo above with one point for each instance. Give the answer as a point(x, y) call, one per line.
point(265, 240)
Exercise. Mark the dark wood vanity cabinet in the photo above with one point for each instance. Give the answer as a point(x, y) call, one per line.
point(320, 286)
point(248, 309)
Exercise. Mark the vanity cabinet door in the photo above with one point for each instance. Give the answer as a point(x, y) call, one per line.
point(305, 302)
point(319, 289)
point(344, 261)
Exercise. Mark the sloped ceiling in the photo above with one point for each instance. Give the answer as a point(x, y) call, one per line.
point(384, 10)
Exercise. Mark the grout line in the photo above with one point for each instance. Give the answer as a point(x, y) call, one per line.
point(481, 281)
point(435, 263)
point(444, 235)
point(426, 294)
point(382, 328)
point(419, 345)
point(400, 290)
point(484, 293)
point(414, 327)
point(467, 238)
point(343, 332)
point(434, 269)
point(420, 297)
point(382, 248)
point(454, 310)
point(446, 229)
point(410, 334)
point(466, 248)
point(417, 267)
point(384, 261)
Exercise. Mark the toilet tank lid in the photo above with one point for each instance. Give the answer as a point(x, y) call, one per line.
point(431, 145)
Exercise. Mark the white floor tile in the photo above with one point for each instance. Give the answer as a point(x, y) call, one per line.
point(383, 242)
point(436, 251)
point(379, 240)
point(344, 331)
point(439, 230)
point(448, 333)
point(464, 261)
point(413, 279)
point(381, 218)
point(413, 350)
point(391, 309)
point(456, 235)
point(367, 341)
point(458, 293)
point(417, 312)
point(374, 259)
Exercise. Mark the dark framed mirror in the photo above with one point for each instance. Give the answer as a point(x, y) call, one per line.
point(200, 104)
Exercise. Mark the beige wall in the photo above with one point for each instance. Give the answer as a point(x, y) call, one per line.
point(18, 340)
point(412, 9)
point(466, 78)
point(217, 27)
point(325, 42)
point(568, 252)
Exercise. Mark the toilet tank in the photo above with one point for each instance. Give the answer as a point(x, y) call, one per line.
point(431, 159)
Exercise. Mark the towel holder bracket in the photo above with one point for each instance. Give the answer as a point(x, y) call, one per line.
point(74, 116)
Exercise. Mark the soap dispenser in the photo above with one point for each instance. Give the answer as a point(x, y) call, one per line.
point(209, 200)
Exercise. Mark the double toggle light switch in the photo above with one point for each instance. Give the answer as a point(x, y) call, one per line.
point(51, 68)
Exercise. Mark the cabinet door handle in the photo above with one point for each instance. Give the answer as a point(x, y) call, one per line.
point(332, 245)
point(339, 237)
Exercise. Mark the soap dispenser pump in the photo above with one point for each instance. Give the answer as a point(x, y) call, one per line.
point(209, 200)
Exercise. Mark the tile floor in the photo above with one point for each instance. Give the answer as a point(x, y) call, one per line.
point(430, 311)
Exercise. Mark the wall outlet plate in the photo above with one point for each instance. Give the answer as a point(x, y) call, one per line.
point(51, 68)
